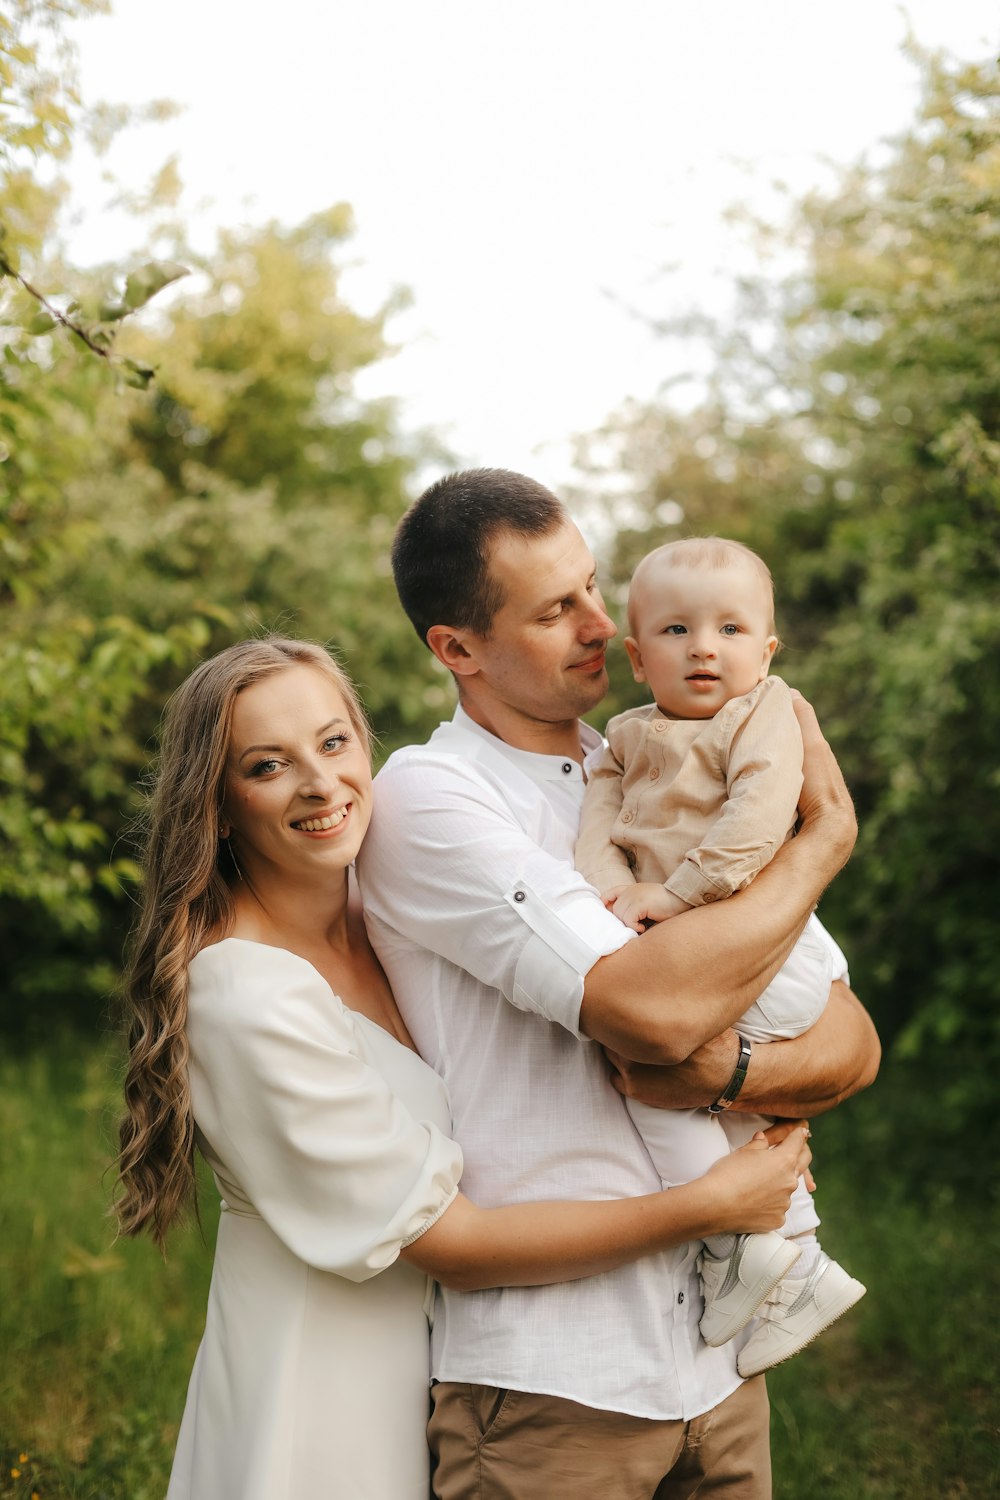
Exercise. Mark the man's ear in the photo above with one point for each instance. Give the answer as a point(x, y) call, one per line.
point(635, 657)
point(451, 649)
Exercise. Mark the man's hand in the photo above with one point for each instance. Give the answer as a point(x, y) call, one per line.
point(824, 799)
point(643, 901)
point(694, 1084)
point(834, 1059)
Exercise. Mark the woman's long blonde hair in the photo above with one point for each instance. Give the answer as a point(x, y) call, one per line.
point(186, 897)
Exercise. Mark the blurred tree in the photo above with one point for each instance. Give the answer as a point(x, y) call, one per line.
point(853, 436)
point(249, 487)
point(67, 678)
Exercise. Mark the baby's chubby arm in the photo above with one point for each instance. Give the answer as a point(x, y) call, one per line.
point(641, 902)
point(598, 858)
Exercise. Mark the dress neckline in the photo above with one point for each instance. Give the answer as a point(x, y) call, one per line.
point(357, 1015)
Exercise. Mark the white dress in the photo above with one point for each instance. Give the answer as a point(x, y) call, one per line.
point(328, 1143)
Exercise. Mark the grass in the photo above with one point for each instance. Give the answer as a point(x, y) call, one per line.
point(901, 1399)
point(98, 1337)
point(898, 1402)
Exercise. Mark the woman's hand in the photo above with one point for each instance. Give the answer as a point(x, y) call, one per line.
point(752, 1187)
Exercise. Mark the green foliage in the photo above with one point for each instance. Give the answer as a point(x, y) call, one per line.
point(898, 1401)
point(245, 488)
point(861, 455)
point(99, 1336)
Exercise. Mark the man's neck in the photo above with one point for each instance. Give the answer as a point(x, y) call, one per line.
point(524, 733)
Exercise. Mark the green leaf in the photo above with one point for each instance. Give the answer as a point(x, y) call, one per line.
point(136, 373)
point(144, 283)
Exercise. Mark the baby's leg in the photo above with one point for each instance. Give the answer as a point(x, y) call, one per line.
point(683, 1143)
point(737, 1270)
point(814, 1292)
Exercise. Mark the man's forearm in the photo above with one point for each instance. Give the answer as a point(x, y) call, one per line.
point(686, 980)
point(834, 1059)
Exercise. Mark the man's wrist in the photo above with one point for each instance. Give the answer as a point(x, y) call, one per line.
point(732, 1090)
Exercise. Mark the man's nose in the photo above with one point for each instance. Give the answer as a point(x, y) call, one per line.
point(598, 624)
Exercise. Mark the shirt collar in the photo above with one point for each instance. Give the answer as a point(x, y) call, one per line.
point(530, 762)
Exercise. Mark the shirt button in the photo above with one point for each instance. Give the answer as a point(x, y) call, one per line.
point(654, 774)
point(567, 767)
point(518, 895)
point(659, 725)
point(627, 817)
point(680, 1298)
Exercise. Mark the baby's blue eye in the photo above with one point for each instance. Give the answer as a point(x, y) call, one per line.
point(675, 630)
point(730, 630)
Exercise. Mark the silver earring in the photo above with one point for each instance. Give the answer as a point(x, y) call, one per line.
point(232, 854)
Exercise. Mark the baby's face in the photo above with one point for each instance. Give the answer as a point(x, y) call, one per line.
point(700, 636)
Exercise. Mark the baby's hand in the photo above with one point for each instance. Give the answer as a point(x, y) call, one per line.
point(644, 902)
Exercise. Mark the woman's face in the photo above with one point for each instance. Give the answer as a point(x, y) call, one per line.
point(298, 782)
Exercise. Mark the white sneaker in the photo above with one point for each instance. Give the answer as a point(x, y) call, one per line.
point(734, 1286)
point(797, 1310)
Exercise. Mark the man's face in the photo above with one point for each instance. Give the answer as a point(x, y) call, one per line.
point(543, 660)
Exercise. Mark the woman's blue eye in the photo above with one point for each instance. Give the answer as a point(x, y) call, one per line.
point(264, 768)
point(335, 741)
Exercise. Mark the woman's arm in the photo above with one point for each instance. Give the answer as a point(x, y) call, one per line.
point(532, 1244)
point(835, 1058)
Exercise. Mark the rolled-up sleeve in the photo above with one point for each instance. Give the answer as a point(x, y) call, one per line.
point(446, 864)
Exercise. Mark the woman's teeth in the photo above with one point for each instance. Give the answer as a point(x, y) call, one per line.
point(318, 825)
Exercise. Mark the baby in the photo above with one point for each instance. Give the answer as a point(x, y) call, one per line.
point(689, 800)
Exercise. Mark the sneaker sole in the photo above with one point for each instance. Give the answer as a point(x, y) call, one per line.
point(851, 1297)
point(760, 1291)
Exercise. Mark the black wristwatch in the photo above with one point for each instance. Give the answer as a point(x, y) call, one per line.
point(731, 1092)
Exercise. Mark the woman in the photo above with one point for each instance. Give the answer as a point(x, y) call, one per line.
point(263, 1030)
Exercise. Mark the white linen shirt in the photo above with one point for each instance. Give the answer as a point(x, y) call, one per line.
point(486, 931)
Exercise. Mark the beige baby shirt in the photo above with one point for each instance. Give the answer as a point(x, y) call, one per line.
point(699, 805)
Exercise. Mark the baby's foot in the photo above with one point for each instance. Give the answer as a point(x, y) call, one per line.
point(735, 1285)
point(798, 1309)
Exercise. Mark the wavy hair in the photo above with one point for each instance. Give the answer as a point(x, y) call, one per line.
point(186, 899)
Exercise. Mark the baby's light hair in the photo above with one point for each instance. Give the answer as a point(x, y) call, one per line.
point(702, 552)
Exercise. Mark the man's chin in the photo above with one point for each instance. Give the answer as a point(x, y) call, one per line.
point(590, 691)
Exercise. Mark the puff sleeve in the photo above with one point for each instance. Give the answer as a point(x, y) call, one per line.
point(296, 1123)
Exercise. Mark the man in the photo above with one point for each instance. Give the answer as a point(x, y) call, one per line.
point(509, 971)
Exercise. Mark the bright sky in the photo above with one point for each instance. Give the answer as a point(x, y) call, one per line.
point(527, 168)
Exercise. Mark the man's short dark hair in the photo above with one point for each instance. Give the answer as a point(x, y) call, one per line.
point(441, 553)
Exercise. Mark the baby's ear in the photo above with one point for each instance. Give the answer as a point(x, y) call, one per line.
point(770, 647)
point(635, 657)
